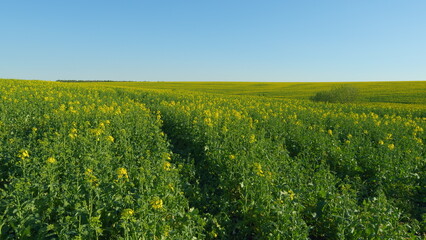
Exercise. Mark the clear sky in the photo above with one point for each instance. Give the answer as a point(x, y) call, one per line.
point(213, 40)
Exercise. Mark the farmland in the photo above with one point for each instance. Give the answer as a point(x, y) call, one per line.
point(408, 92)
point(211, 161)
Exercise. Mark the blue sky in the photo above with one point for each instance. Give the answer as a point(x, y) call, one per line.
point(213, 40)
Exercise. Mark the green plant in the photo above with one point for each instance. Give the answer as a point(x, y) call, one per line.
point(342, 94)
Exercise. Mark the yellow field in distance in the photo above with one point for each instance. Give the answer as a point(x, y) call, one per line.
point(402, 92)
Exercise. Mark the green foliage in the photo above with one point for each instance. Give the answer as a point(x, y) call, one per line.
point(342, 94)
point(86, 164)
point(80, 161)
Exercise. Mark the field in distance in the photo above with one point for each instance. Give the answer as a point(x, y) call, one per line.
point(403, 92)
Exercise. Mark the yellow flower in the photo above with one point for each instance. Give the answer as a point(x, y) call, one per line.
point(252, 138)
point(167, 166)
point(208, 122)
point(96, 131)
point(291, 194)
point(232, 157)
point(157, 203)
point(91, 178)
point(381, 142)
point(225, 129)
point(127, 213)
point(166, 230)
point(23, 154)
point(330, 132)
point(258, 169)
point(418, 129)
point(391, 146)
point(122, 173)
point(62, 107)
point(51, 160)
point(73, 133)
point(110, 139)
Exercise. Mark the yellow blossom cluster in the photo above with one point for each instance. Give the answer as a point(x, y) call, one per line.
point(122, 173)
point(157, 203)
point(91, 178)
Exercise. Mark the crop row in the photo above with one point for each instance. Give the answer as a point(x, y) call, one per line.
point(291, 170)
point(85, 164)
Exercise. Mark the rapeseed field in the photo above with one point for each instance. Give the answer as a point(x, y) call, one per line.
point(139, 161)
